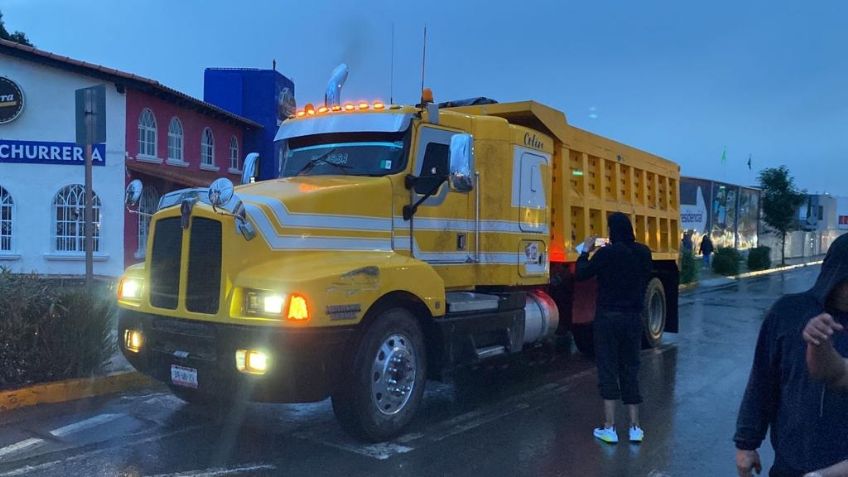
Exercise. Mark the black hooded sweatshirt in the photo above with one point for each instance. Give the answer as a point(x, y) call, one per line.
point(623, 268)
point(808, 421)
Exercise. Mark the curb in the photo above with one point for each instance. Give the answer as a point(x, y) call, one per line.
point(742, 276)
point(71, 389)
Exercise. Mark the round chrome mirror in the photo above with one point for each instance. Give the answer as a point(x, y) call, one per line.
point(133, 194)
point(220, 192)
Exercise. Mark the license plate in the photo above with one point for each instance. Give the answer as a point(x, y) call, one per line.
point(182, 376)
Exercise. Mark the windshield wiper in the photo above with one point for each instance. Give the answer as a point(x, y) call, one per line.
point(319, 160)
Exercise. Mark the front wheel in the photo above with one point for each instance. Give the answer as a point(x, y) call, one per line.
point(387, 378)
point(653, 314)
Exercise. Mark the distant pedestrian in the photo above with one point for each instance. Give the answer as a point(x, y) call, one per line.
point(623, 269)
point(706, 249)
point(686, 243)
point(807, 420)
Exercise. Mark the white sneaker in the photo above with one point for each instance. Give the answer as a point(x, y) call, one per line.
point(636, 434)
point(606, 434)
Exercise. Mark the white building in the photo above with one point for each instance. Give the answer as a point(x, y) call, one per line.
point(41, 222)
point(152, 132)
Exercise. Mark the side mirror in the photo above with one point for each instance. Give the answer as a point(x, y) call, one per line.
point(461, 175)
point(249, 168)
point(133, 194)
point(220, 192)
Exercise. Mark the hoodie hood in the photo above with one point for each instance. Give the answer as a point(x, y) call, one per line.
point(620, 228)
point(834, 269)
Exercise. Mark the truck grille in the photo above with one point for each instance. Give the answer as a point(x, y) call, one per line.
point(203, 290)
point(165, 264)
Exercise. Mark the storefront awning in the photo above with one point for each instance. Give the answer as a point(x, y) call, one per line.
point(178, 175)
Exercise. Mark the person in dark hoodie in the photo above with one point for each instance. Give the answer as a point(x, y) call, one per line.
point(808, 421)
point(623, 270)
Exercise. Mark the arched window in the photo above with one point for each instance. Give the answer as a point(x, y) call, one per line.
point(147, 205)
point(7, 217)
point(207, 148)
point(147, 133)
point(69, 219)
point(175, 140)
point(234, 154)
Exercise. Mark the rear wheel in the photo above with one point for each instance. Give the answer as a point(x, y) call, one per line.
point(386, 383)
point(584, 338)
point(653, 314)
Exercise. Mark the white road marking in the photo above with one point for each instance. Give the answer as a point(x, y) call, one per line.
point(219, 471)
point(84, 424)
point(24, 444)
point(30, 469)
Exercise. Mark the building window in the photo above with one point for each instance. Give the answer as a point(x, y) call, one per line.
point(207, 148)
point(175, 140)
point(147, 133)
point(7, 211)
point(69, 219)
point(147, 207)
point(234, 154)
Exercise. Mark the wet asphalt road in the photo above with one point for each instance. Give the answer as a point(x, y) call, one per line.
point(533, 418)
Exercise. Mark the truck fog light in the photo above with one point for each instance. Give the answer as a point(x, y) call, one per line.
point(133, 340)
point(252, 361)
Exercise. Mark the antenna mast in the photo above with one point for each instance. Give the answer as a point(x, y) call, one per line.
point(423, 61)
point(392, 69)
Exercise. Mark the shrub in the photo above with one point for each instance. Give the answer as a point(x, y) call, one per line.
point(49, 333)
point(759, 258)
point(726, 261)
point(688, 267)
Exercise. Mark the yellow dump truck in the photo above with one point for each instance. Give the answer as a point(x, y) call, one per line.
point(398, 243)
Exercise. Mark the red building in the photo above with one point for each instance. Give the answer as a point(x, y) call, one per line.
point(177, 142)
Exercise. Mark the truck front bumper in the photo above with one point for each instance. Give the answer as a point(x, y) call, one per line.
point(305, 364)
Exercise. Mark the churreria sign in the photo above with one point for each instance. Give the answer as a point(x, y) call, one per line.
point(11, 100)
point(36, 152)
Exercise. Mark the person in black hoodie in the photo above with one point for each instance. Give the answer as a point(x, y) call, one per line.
point(623, 269)
point(808, 421)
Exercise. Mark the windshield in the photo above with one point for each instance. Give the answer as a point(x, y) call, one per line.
point(369, 154)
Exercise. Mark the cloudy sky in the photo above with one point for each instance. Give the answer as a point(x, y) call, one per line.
point(765, 79)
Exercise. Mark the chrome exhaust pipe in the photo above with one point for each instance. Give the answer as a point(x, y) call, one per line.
point(333, 95)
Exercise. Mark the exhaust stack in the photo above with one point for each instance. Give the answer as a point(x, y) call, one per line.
point(333, 95)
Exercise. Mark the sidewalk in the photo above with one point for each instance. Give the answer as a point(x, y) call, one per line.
point(709, 279)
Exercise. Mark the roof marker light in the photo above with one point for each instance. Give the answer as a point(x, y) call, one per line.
point(301, 114)
point(323, 109)
point(336, 108)
point(363, 105)
point(349, 107)
point(379, 105)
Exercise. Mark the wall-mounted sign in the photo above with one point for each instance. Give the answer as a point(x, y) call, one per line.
point(11, 100)
point(35, 152)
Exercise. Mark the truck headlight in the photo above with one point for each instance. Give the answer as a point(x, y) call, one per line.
point(130, 289)
point(261, 302)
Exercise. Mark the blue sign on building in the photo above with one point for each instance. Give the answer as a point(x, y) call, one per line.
point(37, 152)
point(265, 96)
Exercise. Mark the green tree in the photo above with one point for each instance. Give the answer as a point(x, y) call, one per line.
point(17, 36)
point(780, 201)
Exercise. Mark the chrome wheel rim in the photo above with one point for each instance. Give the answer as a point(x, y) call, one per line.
point(393, 374)
point(656, 311)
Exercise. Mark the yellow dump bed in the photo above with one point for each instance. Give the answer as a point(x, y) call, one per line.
point(594, 176)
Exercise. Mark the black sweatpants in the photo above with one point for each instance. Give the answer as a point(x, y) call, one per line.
point(618, 341)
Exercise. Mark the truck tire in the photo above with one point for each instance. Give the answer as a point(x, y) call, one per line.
point(654, 314)
point(383, 390)
point(584, 339)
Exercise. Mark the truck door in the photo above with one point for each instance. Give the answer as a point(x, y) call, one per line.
point(530, 171)
point(441, 230)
